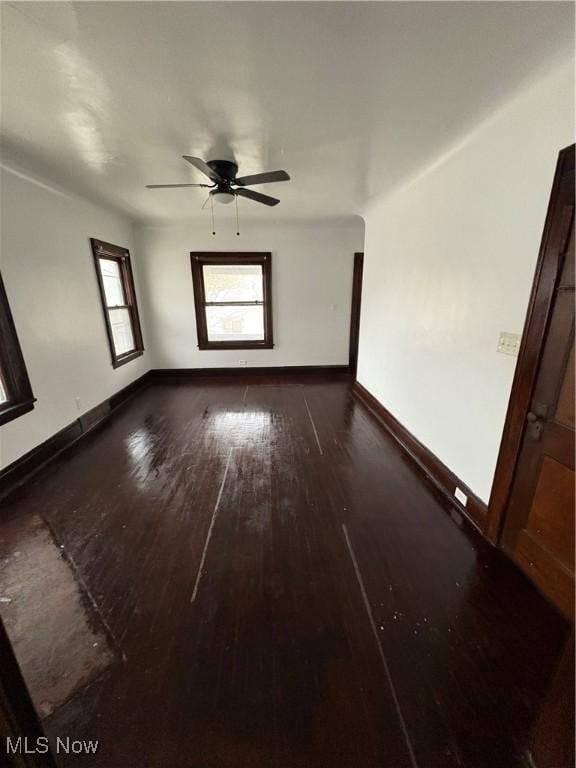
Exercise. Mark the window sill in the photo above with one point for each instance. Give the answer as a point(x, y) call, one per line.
point(239, 345)
point(118, 361)
point(10, 412)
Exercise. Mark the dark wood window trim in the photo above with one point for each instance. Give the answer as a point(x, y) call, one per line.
point(104, 250)
point(198, 259)
point(15, 381)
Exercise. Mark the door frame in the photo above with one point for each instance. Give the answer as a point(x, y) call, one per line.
point(355, 312)
point(556, 230)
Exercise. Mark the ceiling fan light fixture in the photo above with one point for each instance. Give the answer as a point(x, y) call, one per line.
point(223, 197)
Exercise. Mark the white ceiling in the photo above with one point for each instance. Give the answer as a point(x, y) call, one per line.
point(349, 97)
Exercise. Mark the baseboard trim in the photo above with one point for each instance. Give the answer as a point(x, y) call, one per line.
point(179, 373)
point(433, 468)
point(21, 470)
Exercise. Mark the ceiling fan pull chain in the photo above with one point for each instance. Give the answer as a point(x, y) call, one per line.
point(237, 221)
point(212, 209)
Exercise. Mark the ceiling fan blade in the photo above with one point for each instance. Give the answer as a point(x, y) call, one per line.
point(170, 186)
point(204, 167)
point(262, 178)
point(257, 196)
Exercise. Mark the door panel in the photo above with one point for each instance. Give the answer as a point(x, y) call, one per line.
point(565, 407)
point(539, 525)
point(552, 513)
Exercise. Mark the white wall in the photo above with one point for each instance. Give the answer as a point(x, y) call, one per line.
point(50, 280)
point(449, 263)
point(311, 289)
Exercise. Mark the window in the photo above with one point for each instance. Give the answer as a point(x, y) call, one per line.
point(16, 395)
point(114, 273)
point(233, 300)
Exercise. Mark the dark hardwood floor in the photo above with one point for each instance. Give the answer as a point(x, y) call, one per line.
point(286, 591)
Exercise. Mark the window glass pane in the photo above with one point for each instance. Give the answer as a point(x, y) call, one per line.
point(3, 393)
point(235, 323)
point(112, 279)
point(233, 282)
point(121, 331)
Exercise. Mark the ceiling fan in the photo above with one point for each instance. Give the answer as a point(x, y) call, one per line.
point(226, 185)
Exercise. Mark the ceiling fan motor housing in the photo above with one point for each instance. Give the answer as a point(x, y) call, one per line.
point(226, 169)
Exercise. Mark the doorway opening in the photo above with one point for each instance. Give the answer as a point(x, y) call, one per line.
point(355, 312)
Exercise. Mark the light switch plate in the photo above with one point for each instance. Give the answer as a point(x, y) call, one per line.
point(509, 343)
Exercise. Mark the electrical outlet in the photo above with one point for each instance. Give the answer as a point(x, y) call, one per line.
point(461, 496)
point(509, 343)
point(243, 363)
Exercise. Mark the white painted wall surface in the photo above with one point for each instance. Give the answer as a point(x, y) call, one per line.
point(449, 262)
point(312, 265)
point(50, 279)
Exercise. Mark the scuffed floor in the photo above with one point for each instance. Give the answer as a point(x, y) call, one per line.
point(51, 622)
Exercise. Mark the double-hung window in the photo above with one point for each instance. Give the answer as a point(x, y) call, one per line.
point(116, 282)
point(16, 395)
point(233, 300)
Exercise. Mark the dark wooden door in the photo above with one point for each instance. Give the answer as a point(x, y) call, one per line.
point(539, 525)
point(355, 313)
